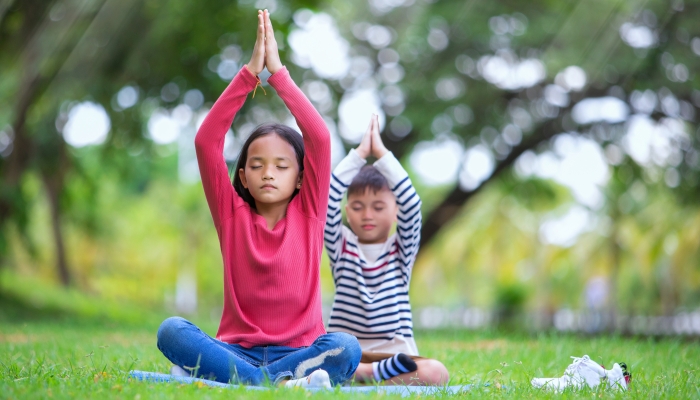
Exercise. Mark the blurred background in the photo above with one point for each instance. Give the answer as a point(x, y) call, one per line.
point(555, 145)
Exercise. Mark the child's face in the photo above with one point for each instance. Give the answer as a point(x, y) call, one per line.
point(371, 214)
point(271, 171)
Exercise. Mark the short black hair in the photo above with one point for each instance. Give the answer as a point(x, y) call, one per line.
point(288, 134)
point(368, 178)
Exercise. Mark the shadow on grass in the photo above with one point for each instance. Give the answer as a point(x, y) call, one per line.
point(14, 308)
point(18, 311)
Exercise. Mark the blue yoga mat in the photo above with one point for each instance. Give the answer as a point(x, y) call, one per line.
point(401, 390)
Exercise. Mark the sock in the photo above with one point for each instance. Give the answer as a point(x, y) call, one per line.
point(317, 379)
point(394, 366)
point(178, 371)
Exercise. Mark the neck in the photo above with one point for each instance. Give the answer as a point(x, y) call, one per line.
point(377, 241)
point(272, 212)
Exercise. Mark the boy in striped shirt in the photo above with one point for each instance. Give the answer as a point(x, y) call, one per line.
point(371, 269)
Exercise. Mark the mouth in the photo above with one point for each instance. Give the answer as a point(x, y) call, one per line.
point(267, 187)
point(368, 227)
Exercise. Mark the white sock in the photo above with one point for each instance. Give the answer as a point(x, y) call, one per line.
point(317, 379)
point(178, 371)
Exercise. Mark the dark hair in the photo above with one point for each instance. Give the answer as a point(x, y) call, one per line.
point(290, 135)
point(368, 178)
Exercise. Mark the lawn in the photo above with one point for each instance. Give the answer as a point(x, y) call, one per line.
point(58, 353)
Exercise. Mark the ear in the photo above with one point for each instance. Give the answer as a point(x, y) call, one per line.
point(241, 175)
point(300, 179)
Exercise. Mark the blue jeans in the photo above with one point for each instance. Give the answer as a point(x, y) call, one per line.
point(185, 345)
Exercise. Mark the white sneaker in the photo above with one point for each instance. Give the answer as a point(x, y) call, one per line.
point(618, 378)
point(317, 379)
point(583, 371)
point(177, 371)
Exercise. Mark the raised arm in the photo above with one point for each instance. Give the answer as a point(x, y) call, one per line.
point(409, 219)
point(342, 176)
point(317, 144)
point(209, 142)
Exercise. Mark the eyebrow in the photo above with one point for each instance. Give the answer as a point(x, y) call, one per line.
point(382, 202)
point(258, 158)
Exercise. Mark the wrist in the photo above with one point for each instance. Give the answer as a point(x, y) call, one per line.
point(252, 70)
point(274, 69)
point(362, 153)
point(379, 153)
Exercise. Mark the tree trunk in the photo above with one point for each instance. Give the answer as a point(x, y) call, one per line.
point(451, 205)
point(54, 186)
point(616, 256)
point(33, 85)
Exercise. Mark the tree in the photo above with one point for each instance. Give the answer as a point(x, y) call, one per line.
point(445, 73)
point(55, 52)
point(460, 48)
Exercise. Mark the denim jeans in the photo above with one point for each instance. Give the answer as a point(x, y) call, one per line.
point(185, 345)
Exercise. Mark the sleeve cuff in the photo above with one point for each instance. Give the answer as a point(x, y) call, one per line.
point(391, 168)
point(278, 77)
point(354, 158)
point(248, 76)
point(348, 167)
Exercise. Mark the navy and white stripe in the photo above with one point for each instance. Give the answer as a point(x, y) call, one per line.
point(371, 301)
point(393, 366)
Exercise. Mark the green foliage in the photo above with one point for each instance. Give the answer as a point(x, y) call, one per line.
point(132, 228)
point(495, 243)
point(511, 298)
point(55, 54)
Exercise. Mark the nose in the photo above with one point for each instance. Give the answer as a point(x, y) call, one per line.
point(267, 173)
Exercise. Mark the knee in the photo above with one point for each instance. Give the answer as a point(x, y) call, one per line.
point(434, 372)
point(349, 344)
point(168, 330)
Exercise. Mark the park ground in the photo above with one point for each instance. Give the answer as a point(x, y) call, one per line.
point(64, 345)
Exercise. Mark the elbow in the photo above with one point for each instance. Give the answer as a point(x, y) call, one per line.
point(199, 140)
point(325, 142)
point(327, 139)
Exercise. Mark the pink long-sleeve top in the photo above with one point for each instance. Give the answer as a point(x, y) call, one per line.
point(272, 293)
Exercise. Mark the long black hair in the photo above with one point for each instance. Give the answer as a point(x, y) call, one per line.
point(290, 135)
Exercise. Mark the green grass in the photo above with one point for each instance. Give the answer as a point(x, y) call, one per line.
point(61, 352)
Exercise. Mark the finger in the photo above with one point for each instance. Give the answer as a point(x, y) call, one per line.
point(268, 22)
point(367, 137)
point(261, 26)
point(369, 127)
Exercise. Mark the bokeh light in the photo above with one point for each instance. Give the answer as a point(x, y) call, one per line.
point(88, 124)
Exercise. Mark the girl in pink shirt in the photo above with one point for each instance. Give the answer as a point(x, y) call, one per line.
point(270, 225)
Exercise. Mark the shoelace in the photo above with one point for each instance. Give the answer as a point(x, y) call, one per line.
point(574, 367)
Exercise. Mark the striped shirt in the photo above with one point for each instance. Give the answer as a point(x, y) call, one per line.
point(371, 300)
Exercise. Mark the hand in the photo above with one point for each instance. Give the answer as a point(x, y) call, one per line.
point(257, 60)
point(272, 55)
point(378, 148)
point(365, 147)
